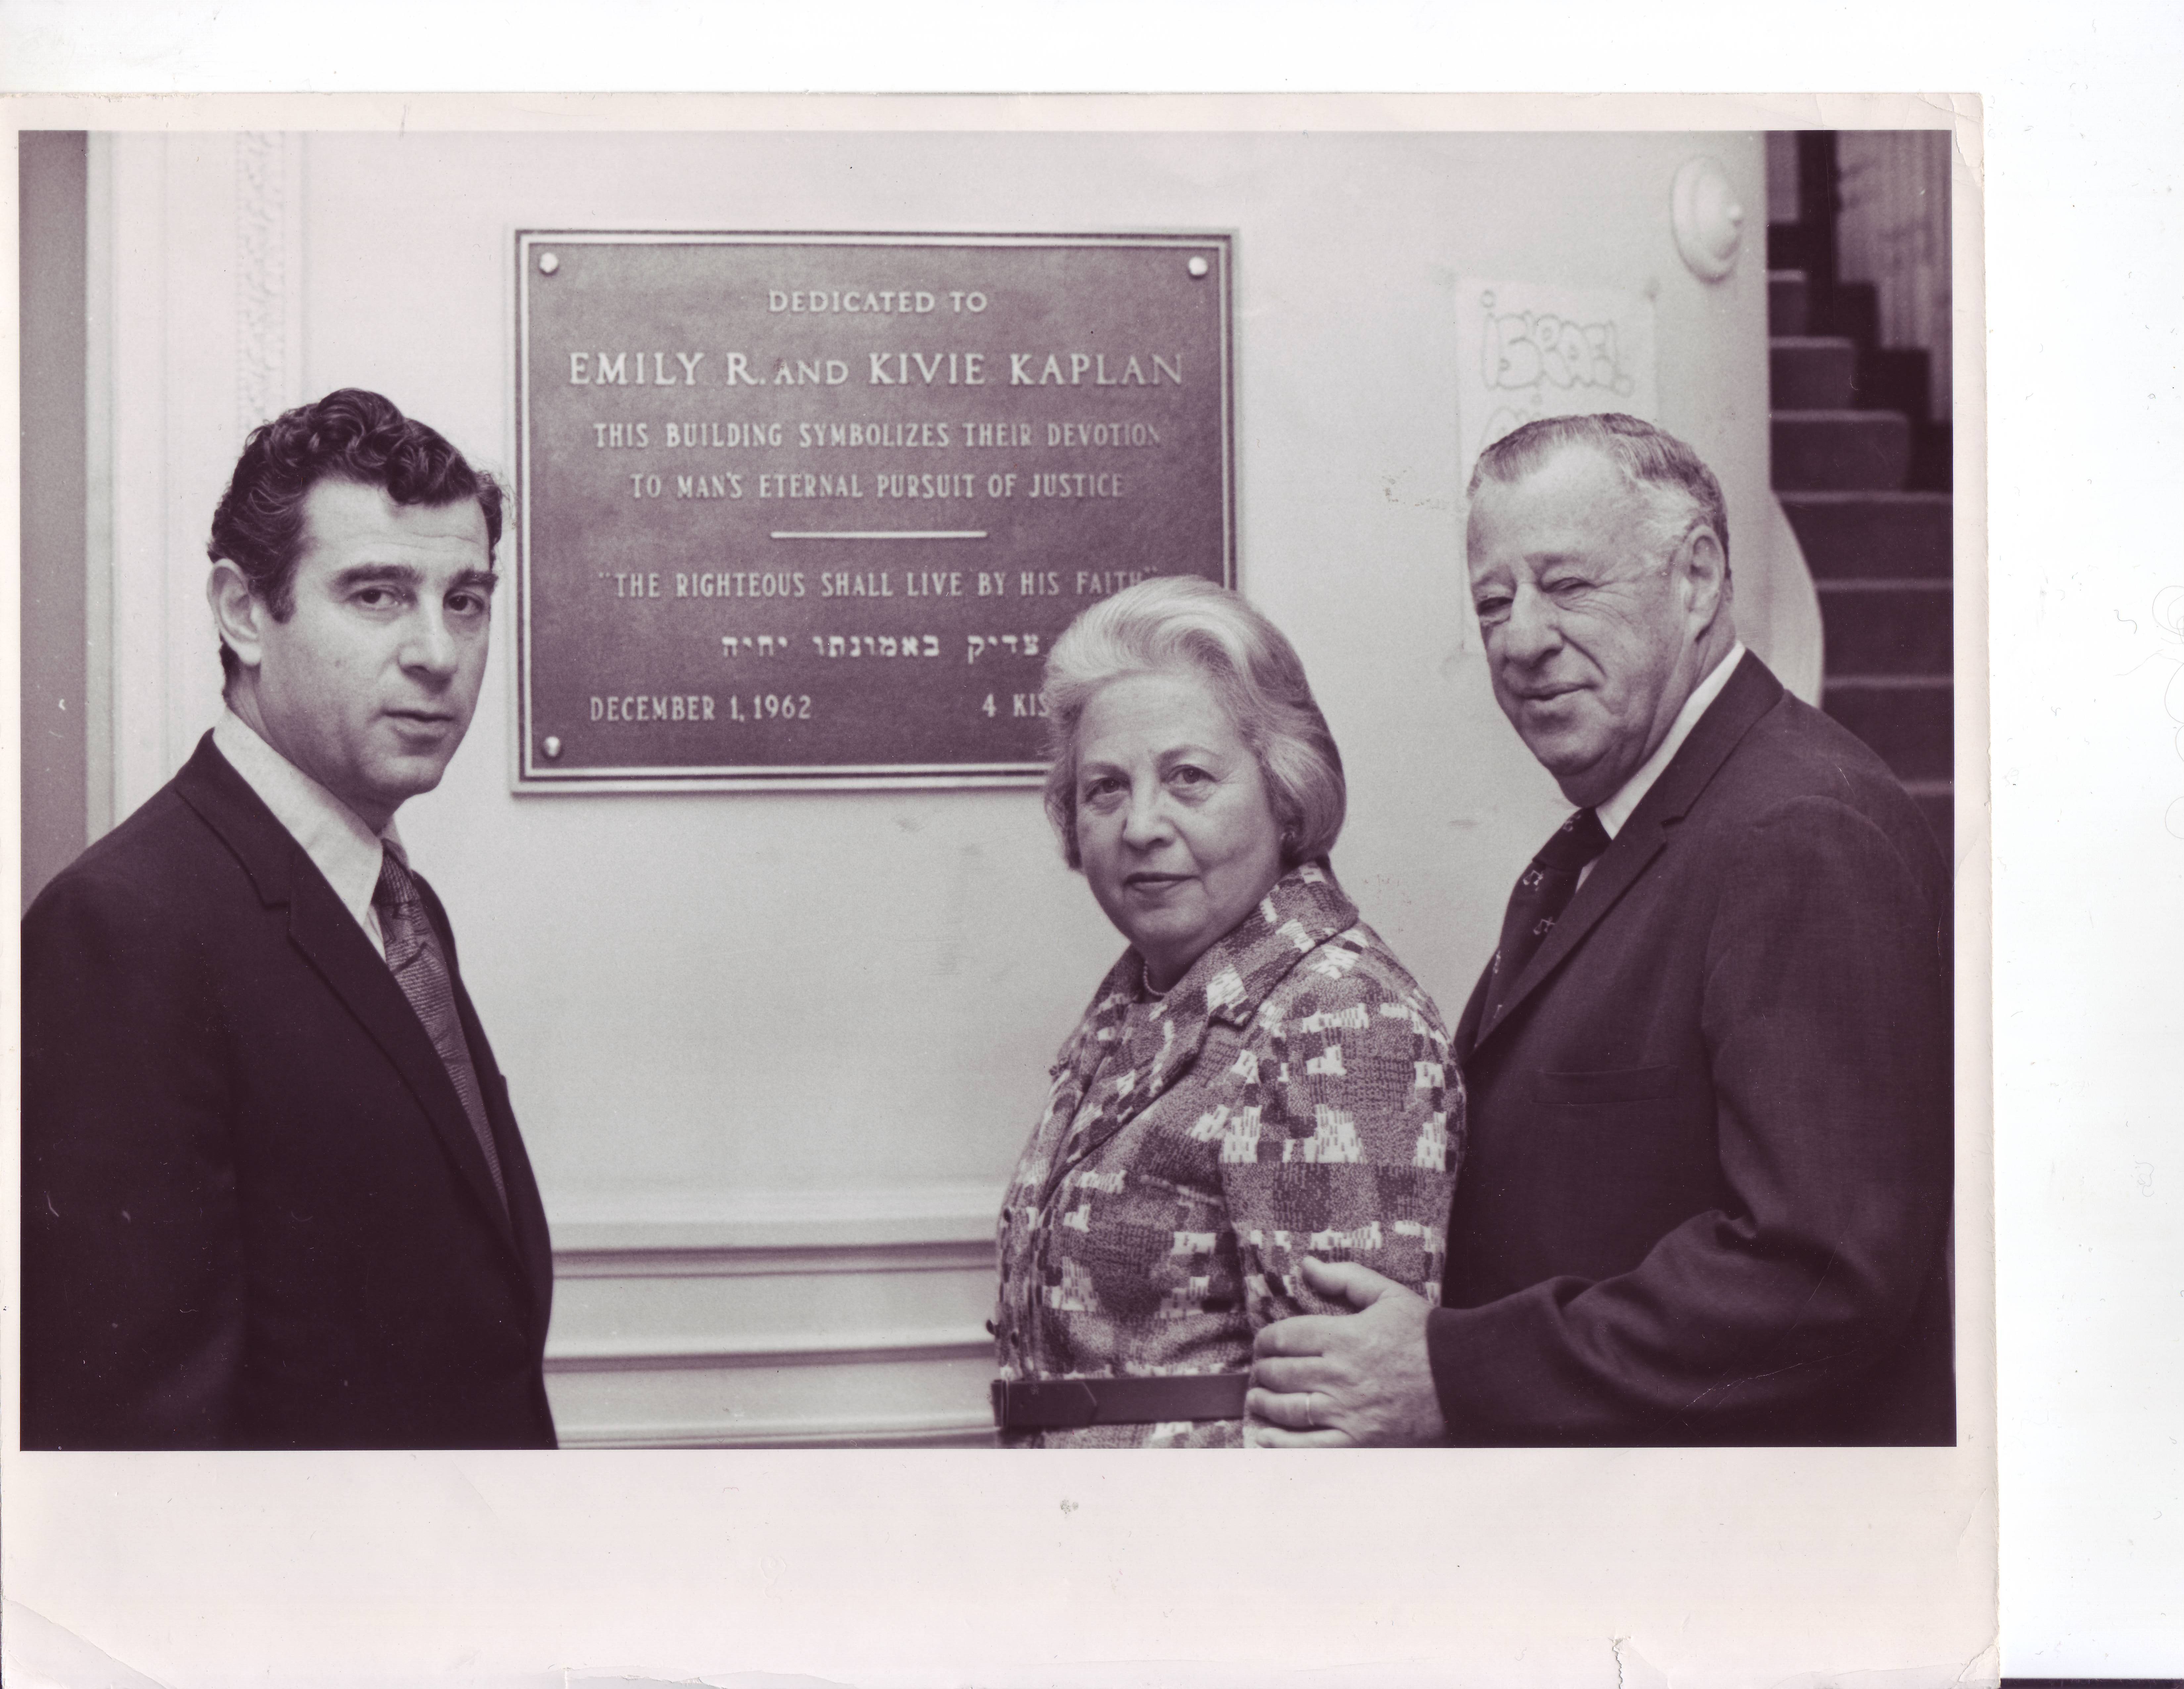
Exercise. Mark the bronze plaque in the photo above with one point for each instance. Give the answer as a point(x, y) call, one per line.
point(810, 510)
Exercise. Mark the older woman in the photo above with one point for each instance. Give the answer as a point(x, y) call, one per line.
point(1256, 1080)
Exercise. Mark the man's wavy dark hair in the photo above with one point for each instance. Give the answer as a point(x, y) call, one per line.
point(349, 435)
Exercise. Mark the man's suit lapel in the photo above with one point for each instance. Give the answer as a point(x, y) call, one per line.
point(322, 929)
point(1751, 693)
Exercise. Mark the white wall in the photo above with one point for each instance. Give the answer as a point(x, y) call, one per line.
point(775, 1053)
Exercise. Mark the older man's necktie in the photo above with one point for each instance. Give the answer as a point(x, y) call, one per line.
point(413, 952)
point(1543, 891)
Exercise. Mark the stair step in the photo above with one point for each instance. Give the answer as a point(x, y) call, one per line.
point(1888, 628)
point(1790, 247)
point(1909, 722)
point(1840, 450)
point(1850, 308)
point(1937, 802)
point(1811, 372)
point(1933, 457)
point(1789, 302)
point(1873, 536)
point(1893, 378)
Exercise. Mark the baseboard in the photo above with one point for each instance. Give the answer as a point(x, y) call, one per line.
point(946, 1431)
point(774, 1319)
point(636, 1257)
point(640, 1354)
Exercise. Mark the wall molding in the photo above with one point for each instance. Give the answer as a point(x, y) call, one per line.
point(268, 275)
point(137, 280)
point(936, 1430)
point(641, 1354)
point(640, 1260)
point(99, 400)
point(825, 1318)
point(588, 1225)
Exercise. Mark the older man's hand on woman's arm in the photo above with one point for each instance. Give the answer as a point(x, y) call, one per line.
point(1360, 1379)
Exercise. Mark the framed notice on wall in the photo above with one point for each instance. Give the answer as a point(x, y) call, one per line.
point(809, 510)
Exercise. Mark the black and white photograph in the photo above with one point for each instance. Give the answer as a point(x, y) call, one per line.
point(854, 588)
point(764, 802)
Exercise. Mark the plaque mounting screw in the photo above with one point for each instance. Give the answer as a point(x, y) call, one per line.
point(553, 744)
point(1197, 267)
point(548, 262)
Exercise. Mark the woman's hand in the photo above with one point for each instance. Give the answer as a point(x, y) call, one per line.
point(1344, 1380)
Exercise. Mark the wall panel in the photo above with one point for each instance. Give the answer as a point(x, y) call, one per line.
point(51, 175)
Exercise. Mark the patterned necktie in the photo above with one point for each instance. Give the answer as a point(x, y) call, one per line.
point(413, 952)
point(1543, 891)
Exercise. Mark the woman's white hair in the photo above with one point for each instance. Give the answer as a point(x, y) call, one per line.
point(1180, 624)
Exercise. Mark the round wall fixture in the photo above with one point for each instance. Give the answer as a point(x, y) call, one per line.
point(1708, 219)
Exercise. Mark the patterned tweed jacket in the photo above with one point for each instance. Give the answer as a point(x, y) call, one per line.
point(1292, 1095)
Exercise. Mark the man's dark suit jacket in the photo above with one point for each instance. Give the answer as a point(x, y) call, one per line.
point(1706, 1193)
point(254, 1213)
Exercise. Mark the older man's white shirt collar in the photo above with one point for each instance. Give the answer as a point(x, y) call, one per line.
point(332, 834)
point(1616, 810)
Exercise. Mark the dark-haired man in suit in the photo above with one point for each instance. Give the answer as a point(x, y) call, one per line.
point(273, 1193)
point(1706, 1198)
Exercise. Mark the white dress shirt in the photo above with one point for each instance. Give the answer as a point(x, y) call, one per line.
point(1618, 809)
point(332, 834)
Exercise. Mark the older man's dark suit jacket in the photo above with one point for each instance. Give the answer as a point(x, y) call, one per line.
point(254, 1213)
point(1706, 1197)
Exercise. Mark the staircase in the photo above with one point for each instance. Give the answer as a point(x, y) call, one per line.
point(1863, 474)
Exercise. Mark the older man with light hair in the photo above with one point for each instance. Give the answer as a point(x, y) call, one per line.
point(1706, 1197)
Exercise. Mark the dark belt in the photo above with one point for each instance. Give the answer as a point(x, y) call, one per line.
point(1059, 1404)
